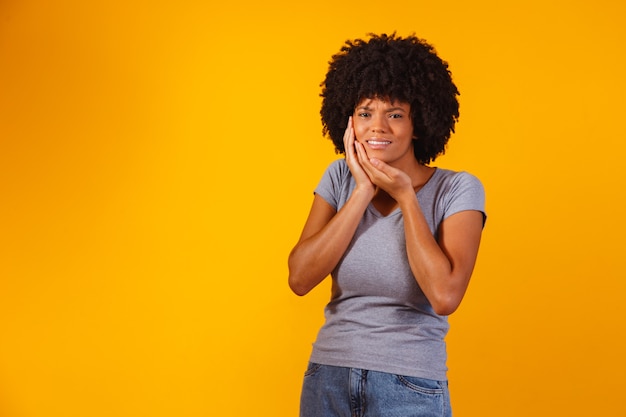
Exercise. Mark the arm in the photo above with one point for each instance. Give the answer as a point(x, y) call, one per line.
point(442, 267)
point(327, 234)
point(325, 238)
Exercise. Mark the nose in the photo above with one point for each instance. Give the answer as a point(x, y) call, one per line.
point(379, 123)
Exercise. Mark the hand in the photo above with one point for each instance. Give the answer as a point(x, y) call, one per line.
point(392, 180)
point(360, 176)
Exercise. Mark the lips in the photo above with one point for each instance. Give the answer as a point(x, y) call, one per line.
point(377, 143)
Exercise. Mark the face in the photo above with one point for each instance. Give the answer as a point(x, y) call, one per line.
point(385, 129)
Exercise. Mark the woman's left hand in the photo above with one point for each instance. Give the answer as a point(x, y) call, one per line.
point(392, 180)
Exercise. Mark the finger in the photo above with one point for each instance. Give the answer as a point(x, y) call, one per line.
point(383, 168)
point(363, 159)
point(376, 169)
point(362, 155)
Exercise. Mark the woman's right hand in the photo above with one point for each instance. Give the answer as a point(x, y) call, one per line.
point(327, 232)
point(358, 173)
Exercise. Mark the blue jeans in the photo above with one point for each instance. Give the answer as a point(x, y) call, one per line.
point(331, 391)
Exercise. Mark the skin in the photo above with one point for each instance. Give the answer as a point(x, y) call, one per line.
point(379, 152)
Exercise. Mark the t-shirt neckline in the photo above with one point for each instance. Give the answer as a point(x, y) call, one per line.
point(397, 210)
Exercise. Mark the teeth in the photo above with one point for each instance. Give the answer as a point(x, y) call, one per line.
point(379, 142)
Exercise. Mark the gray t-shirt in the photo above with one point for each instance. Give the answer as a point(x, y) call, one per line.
point(378, 318)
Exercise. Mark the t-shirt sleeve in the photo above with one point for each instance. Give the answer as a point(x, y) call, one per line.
point(466, 192)
point(332, 182)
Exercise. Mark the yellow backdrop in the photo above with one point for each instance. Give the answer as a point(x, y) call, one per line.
point(157, 162)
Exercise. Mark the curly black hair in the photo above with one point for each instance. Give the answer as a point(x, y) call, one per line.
point(397, 69)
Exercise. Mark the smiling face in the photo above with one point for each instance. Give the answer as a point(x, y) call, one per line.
point(385, 129)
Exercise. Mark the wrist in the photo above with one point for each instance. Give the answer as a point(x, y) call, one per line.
point(364, 191)
point(407, 198)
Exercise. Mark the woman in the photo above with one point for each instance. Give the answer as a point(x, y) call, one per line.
point(399, 238)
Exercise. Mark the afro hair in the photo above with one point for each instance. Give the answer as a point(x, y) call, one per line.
point(397, 69)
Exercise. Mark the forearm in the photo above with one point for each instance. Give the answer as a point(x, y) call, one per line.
point(431, 267)
point(315, 256)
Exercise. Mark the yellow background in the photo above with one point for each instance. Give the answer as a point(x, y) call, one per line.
point(157, 162)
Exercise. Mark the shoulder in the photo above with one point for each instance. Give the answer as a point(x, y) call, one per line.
point(455, 181)
point(457, 191)
point(335, 184)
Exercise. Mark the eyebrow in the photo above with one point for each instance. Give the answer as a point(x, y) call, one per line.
point(390, 109)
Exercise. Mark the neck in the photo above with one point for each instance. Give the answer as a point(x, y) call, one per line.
point(418, 173)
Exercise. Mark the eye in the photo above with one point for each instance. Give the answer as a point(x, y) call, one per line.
point(395, 116)
point(363, 114)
